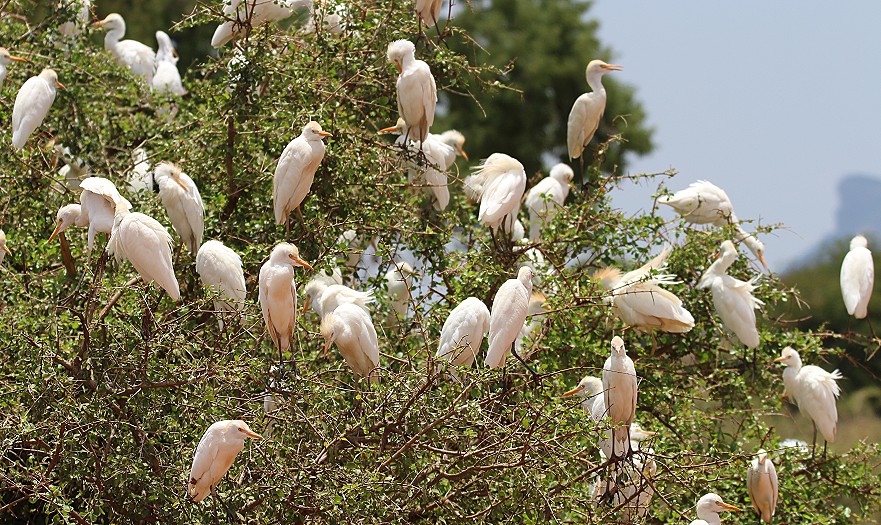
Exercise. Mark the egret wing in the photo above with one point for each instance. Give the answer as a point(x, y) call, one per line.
point(584, 118)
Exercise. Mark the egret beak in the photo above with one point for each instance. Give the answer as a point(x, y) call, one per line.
point(59, 84)
point(252, 434)
point(728, 507)
point(780, 359)
point(648, 433)
point(55, 232)
point(575, 390)
point(327, 345)
point(324, 134)
point(174, 52)
point(301, 262)
point(399, 66)
point(390, 129)
point(306, 304)
point(762, 260)
point(180, 182)
point(99, 23)
point(16, 59)
point(7, 250)
point(462, 152)
point(612, 67)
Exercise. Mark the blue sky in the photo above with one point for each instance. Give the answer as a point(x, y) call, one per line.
point(773, 101)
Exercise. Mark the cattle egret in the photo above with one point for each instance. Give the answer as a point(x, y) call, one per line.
point(619, 394)
point(99, 201)
point(814, 391)
point(463, 332)
point(252, 13)
point(147, 245)
point(638, 300)
point(590, 390)
point(429, 11)
point(6, 251)
point(296, 170)
point(352, 245)
point(509, 309)
point(74, 27)
point(32, 104)
point(72, 173)
point(455, 140)
point(350, 327)
point(167, 77)
point(139, 58)
point(708, 509)
point(182, 201)
point(545, 198)
point(499, 183)
point(399, 281)
point(141, 176)
point(214, 456)
point(67, 216)
point(584, 118)
point(5, 60)
point(857, 277)
point(703, 202)
point(278, 293)
point(417, 93)
point(317, 285)
point(732, 297)
point(637, 491)
point(761, 483)
point(534, 312)
point(221, 269)
point(431, 173)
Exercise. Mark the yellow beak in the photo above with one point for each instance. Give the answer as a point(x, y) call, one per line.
point(729, 507)
point(327, 345)
point(16, 59)
point(575, 390)
point(7, 250)
point(390, 129)
point(252, 434)
point(780, 359)
point(324, 134)
point(306, 304)
point(301, 262)
point(762, 260)
point(55, 232)
point(99, 23)
point(462, 152)
point(59, 84)
point(180, 182)
point(612, 67)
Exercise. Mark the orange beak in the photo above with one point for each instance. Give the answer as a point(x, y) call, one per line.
point(301, 262)
point(59, 84)
point(306, 304)
point(462, 152)
point(99, 23)
point(390, 129)
point(252, 434)
point(327, 345)
point(400, 68)
point(780, 359)
point(174, 52)
point(729, 507)
point(55, 232)
point(180, 183)
point(575, 390)
point(762, 260)
point(7, 250)
point(612, 67)
point(16, 59)
point(324, 134)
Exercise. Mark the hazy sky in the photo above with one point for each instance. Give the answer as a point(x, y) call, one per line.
point(773, 101)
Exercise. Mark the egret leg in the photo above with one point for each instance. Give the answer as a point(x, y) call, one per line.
point(229, 513)
point(287, 228)
point(871, 328)
point(814, 444)
point(536, 377)
point(302, 222)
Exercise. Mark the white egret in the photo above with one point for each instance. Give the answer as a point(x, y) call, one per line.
point(316, 286)
point(5, 60)
point(32, 104)
point(534, 313)
point(814, 391)
point(463, 332)
point(509, 309)
point(499, 182)
point(638, 299)
point(167, 77)
point(591, 391)
point(431, 173)
point(708, 509)
point(241, 14)
point(352, 245)
point(350, 327)
point(67, 216)
point(99, 201)
point(73, 172)
point(215, 454)
point(278, 293)
point(637, 491)
point(182, 201)
point(857, 277)
point(732, 297)
point(3, 246)
point(584, 118)
point(296, 170)
point(545, 198)
point(399, 281)
point(74, 27)
point(417, 93)
point(333, 295)
point(221, 269)
point(147, 245)
point(455, 140)
point(141, 177)
point(139, 58)
point(619, 394)
point(429, 11)
point(332, 22)
point(703, 202)
point(761, 483)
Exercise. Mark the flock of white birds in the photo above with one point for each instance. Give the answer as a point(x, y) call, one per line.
point(499, 184)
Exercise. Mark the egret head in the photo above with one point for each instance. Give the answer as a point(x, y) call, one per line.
point(618, 346)
point(66, 217)
point(242, 429)
point(399, 51)
point(51, 78)
point(329, 330)
point(288, 253)
point(6, 58)
point(712, 503)
point(757, 247)
point(166, 170)
point(589, 386)
point(789, 357)
point(456, 140)
point(525, 275)
point(563, 173)
point(166, 48)
point(858, 242)
point(761, 456)
point(111, 22)
point(312, 131)
point(400, 128)
point(3, 245)
point(598, 67)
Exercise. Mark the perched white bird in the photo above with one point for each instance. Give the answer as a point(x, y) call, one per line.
point(6, 251)
point(761, 483)
point(638, 299)
point(332, 21)
point(399, 280)
point(147, 245)
point(352, 245)
point(732, 297)
point(545, 198)
point(182, 201)
point(316, 286)
point(5, 60)
point(215, 454)
point(509, 310)
point(455, 140)
point(813, 389)
point(636, 492)
point(278, 293)
point(221, 269)
point(350, 327)
point(431, 173)
point(584, 118)
point(296, 170)
point(534, 312)
point(417, 93)
point(99, 201)
point(619, 394)
point(703, 202)
point(32, 104)
point(67, 216)
point(139, 58)
point(857, 277)
point(241, 14)
point(499, 182)
point(74, 27)
point(463, 332)
point(590, 389)
point(167, 77)
point(72, 173)
point(141, 177)
point(708, 509)
point(429, 11)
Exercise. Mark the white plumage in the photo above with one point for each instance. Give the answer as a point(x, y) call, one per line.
point(5, 60)
point(499, 183)
point(619, 394)
point(278, 293)
point(140, 178)
point(237, 13)
point(139, 58)
point(431, 173)
point(761, 483)
point(399, 280)
point(67, 216)
point(509, 310)
point(296, 170)
point(32, 104)
point(350, 327)
point(215, 454)
point(5, 249)
point(182, 201)
point(429, 11)
point(147, 245)
point(545, 198)
point(708, 509)
point(99, 201)
point(814, 390)
point(455, 140)
point(463, 332)
point(74, 27)
point(221, 268)
point(857, 277)
point(584, 118)
point(166, 79)
point(732, 297)
point(417, 93)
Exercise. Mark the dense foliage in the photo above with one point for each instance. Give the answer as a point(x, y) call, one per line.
point(108, 386)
